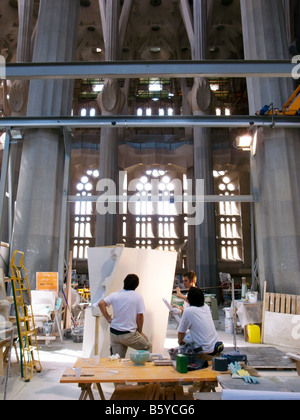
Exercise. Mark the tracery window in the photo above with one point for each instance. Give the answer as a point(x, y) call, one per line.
point(229, 217)
point(156, 224)
point(83, 215)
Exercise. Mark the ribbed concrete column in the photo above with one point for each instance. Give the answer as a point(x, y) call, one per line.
point(111, 101)
point(25, 11)
point(200, 98)
point(18, 97)
point(275, 165)
point(38, 207)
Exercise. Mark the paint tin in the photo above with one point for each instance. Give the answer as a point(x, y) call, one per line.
point(220, 364)
point(181, 363)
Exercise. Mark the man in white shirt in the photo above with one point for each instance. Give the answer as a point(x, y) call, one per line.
point(126, 324)
point(197, 319)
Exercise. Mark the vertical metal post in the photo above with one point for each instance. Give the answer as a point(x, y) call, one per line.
point(234, 314)
point(10, 199)
point(3, 181)
point(64, 207)
point(252, 223)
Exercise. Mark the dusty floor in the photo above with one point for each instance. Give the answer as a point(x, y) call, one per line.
point(57, 356)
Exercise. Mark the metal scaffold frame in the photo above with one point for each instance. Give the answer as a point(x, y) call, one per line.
point(136, 69)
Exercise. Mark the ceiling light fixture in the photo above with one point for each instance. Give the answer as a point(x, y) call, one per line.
point(98, 87)
point(155, 87)
point(214, 87)
point(243, 142)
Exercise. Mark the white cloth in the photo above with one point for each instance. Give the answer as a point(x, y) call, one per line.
point(201, 325)
point(126, 304)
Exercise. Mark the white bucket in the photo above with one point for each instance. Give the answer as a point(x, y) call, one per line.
point(252, 297)
point(229, 325)
point(228, 313)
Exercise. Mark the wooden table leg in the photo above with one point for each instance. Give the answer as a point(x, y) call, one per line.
point(86, 391)
point(100, 392)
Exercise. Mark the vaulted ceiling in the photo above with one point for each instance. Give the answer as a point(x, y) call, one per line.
point(149, 29)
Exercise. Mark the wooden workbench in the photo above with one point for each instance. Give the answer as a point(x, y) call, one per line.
point(120, 371)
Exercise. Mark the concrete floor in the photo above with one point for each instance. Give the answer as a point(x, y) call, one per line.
point(57, 356)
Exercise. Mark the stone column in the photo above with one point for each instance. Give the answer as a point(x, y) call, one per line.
point(274, 167)
point(111, 101)
point(18, 95)
point(38, 206)
point(200, 101)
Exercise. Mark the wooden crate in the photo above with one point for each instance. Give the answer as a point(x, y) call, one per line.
point(281, 303)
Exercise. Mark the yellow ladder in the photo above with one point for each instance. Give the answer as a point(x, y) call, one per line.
point(29, 356)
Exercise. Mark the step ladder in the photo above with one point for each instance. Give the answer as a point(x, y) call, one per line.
point(29, 352)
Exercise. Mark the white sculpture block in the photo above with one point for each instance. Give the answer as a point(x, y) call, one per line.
point(108, 267)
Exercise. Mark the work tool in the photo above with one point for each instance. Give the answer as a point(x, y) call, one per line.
point(234, 356)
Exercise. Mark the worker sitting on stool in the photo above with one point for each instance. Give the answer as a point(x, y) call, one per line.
point(197, 326)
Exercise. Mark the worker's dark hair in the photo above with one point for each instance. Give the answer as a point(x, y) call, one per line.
point(195, 297)
point(131, 282)
point(191, 275)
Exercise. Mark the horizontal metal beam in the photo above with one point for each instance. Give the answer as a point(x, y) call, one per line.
point(142, 122)
point(136, 69)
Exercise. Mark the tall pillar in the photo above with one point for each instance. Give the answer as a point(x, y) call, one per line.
point(111, 101)
point(200, 100)
point(274, 166)
point(38, 206)
point(18, 97)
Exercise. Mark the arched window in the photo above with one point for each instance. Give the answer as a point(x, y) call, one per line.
point(229, 220)
point(81, 236)
point(156, 217)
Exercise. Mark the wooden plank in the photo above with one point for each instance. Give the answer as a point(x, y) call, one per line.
point(293, 304)
point(272, 302)
point(288, 304)
point(282, 303)
point(267, 301)
point(277, 303)
point(298, 305)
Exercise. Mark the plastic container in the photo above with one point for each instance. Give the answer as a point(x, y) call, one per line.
point(228, 313)
point(229, 326)
point(252, 297)
point(254, 334)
